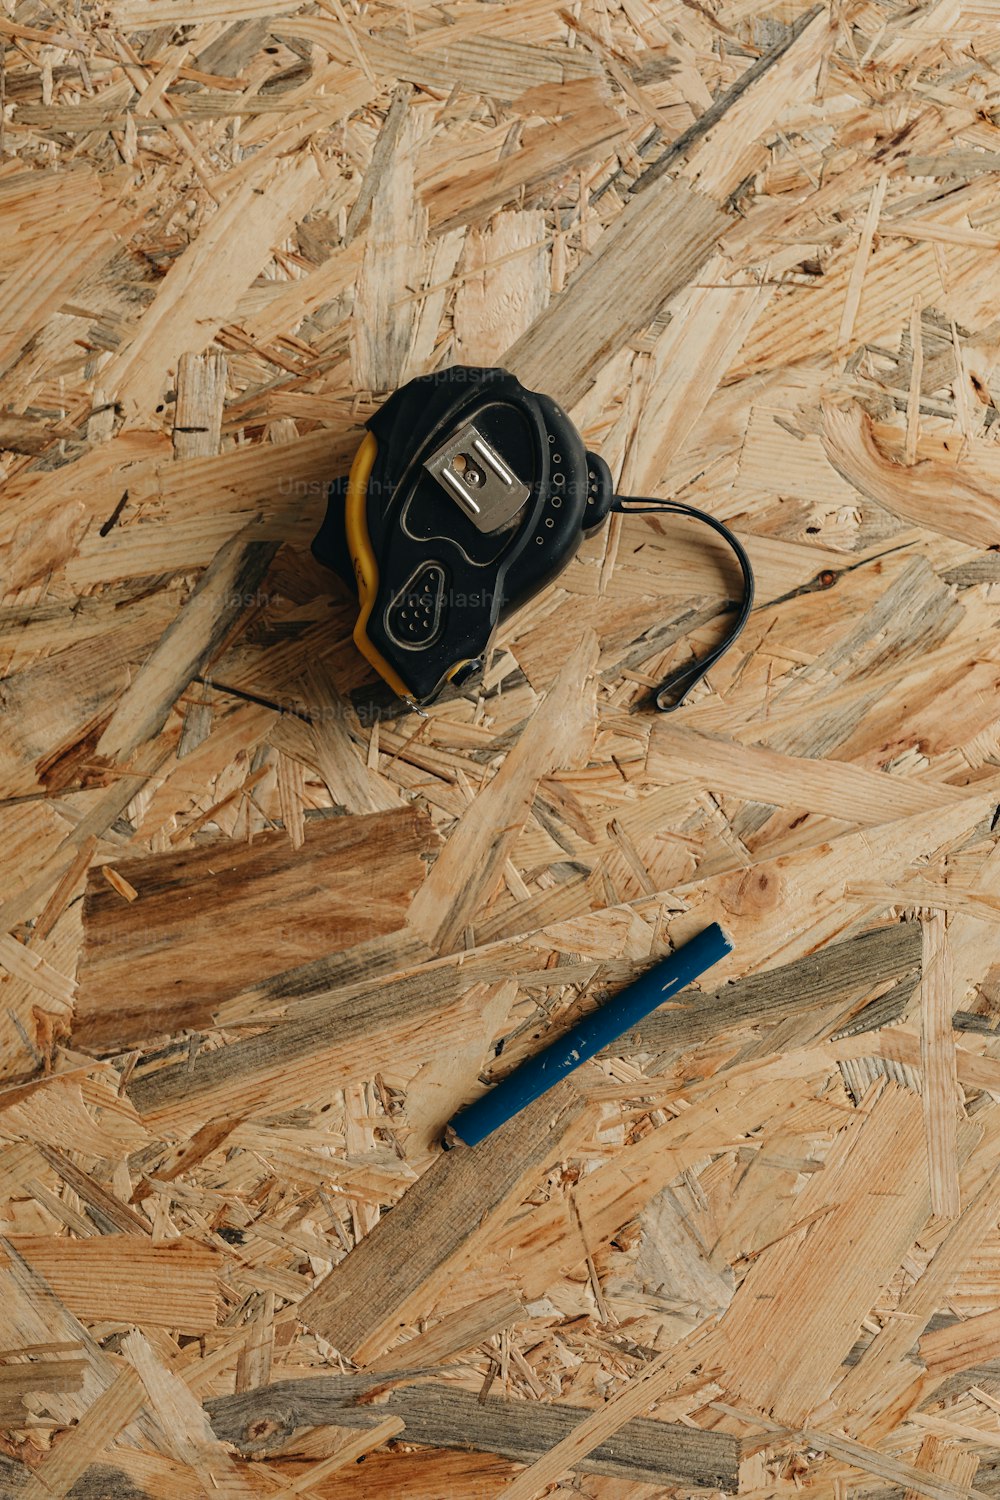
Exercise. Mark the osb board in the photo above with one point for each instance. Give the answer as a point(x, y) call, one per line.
point(260, 941)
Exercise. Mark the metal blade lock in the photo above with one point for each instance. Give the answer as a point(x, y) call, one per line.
point(467, 496)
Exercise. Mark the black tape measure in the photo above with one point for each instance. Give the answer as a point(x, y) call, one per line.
point(467, 495)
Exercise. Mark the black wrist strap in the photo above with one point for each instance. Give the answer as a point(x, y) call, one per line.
point(674, 688)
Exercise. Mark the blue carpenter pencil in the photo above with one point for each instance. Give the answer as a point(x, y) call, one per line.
point(536, 1075)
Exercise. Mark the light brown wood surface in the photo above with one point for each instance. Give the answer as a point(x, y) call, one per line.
point(264, 932)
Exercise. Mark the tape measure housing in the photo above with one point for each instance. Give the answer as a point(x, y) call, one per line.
point(467, 496)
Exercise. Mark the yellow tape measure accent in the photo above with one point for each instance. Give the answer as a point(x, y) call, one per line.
point(363, 557)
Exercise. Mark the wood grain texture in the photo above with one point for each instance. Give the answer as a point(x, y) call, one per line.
point(644, 1451)
point(468, 869)
point(67, 1463)
point(111, 1279)
point(838, 979)
point(566, 346)
point(186, 647)
point(365, 1299)
point(962, 1345)
point(159, 956)
point(852, 1242)
point(939, 1066)
point(337, 1038)
point(659, 1378)
point(263, 930)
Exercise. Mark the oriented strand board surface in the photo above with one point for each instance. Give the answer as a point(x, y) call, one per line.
point(262, 935)
point(163, 960)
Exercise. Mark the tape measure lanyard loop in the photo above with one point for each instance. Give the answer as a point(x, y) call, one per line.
point(676, 686)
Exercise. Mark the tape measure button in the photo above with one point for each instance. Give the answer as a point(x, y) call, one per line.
point(415, 616)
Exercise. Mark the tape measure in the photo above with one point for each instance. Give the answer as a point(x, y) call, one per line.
point(467, 496)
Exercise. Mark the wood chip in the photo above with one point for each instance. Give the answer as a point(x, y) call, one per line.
point(185, 975)
point(410, 1255)
point(643, 1449)
point(939, 1066)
